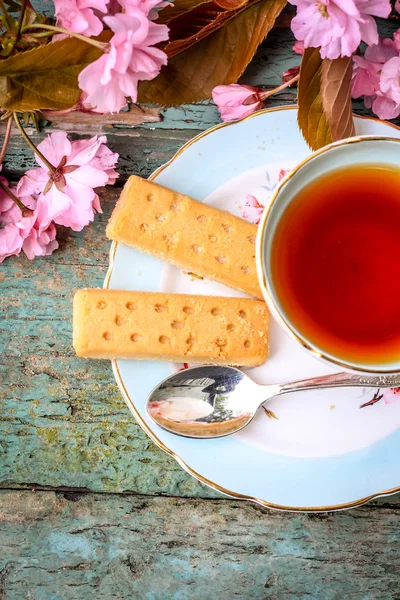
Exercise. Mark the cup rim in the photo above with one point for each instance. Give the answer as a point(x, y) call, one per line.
point(262, 274)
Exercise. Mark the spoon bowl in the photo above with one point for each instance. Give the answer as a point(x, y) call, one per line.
point(214, 401)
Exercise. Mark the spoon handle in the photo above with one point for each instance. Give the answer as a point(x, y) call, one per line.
point(341, 380)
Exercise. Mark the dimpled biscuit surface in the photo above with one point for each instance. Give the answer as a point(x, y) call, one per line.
point(171, 327)
point(192, 235)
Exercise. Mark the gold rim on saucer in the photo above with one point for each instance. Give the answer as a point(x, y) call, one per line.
point(143, 424)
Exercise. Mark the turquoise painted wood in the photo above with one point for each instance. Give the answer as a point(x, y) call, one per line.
point(104, 547)
point(65, 430)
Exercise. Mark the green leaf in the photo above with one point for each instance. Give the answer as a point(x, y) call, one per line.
point(219, 58)
point(324, 97)
point(46, 77)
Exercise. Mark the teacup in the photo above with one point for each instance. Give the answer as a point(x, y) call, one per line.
point(328, 254)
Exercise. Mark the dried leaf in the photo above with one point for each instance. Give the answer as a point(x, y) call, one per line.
point(311, 117)
point(231, 4)
point(336, 96)
point(192, 26)
point(219, 58)
point(177, 8)
point(46, 77)
point(270, 414)
point(325, 112)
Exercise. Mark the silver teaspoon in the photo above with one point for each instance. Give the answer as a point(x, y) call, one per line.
point(211, 401)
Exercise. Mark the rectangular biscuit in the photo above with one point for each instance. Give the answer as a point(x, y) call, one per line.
point(171, 327)
point(192, 235)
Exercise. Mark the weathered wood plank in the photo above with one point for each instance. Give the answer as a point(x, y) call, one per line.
point(67, 546)
point(141, 150)
point(97, 123)
point(63, 421)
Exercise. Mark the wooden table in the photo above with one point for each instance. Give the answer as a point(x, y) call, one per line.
point(89, 506)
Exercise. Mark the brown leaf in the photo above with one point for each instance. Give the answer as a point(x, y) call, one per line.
point(177, 8)
point(193, 26)
point(336, 96)
point(311, 117)
point(231, 4)
point(219, 58)
point(46, 77)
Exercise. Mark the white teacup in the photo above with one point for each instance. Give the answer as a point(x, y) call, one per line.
point(368, 150)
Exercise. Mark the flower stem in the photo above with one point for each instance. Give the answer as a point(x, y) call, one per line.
point(102, 45)
point(32, 145)
point(43, 34)
point(265, 95)
point(6, 140)
point(26, 212)
point(21, 18)
point(6, 16)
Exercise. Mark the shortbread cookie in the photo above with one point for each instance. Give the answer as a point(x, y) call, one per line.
point(192, 235)
point(171, 327)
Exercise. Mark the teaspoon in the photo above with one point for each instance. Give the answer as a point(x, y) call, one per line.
point(213, 401)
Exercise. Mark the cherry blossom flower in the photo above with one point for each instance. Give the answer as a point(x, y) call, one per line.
point(67, 196)
point(236, 101)
point(391, 395)
point(131, 58)
point(374, 77)
point(253, 210)
point(79, 16)
point(24, 233)
point(337, 26)
point(148, 7)
point(389, 80)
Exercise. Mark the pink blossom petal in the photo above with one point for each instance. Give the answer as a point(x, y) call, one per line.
point(377, 8)
point(381, 52)
point(10, 241)
point(54, 147)
point(83, 151)
point(283, 173)
point(252, 210)
point(40, 243)
point(369, 31)
point(100, 5)
point(365, 79)
point(86, 174)
point(385, 108)
point(390, 79)
point(391, 395)
point(51, 205)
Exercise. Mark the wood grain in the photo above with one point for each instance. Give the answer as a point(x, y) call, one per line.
point(100, 547)
point(64, 425)
point(63, 421)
